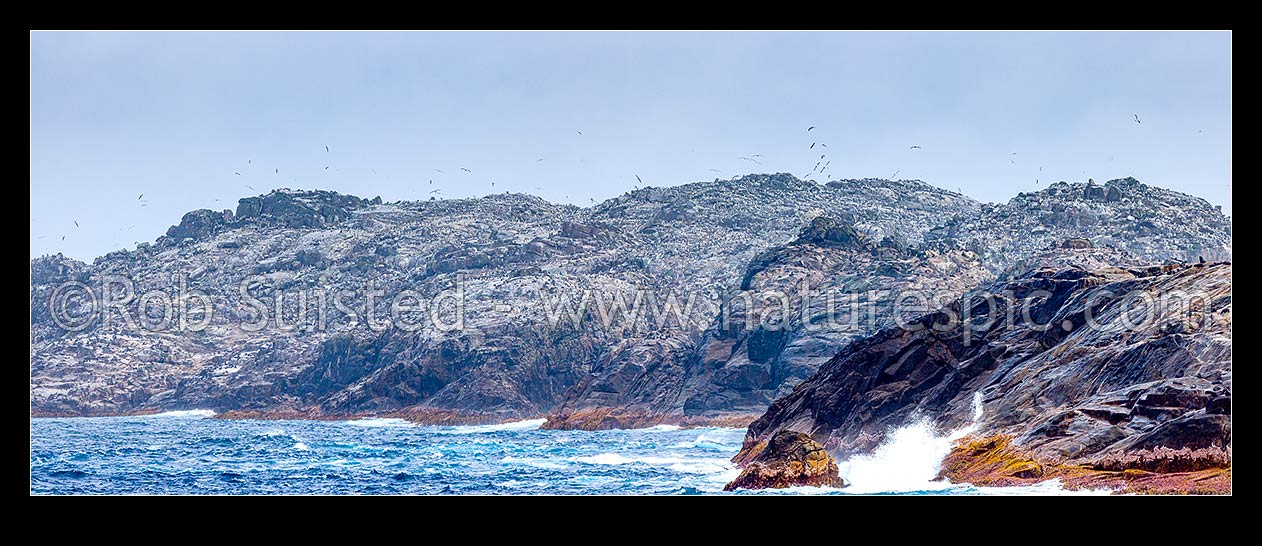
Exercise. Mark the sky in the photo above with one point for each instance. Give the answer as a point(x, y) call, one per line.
point(176, 116)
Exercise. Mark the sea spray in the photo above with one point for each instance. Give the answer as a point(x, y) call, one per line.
point(909, 458)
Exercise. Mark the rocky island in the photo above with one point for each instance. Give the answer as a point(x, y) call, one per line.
point(1058, 401)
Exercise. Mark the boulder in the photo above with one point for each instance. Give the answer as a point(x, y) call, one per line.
point(789, 459)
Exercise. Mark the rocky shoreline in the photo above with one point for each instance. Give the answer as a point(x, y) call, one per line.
point(1144, 408)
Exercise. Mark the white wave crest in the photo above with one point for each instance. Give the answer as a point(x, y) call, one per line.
point(661, 428)
point(529, 424)
point(375, 422)
point(186, 414)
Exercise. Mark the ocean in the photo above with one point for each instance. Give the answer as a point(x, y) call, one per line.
point(186, 452)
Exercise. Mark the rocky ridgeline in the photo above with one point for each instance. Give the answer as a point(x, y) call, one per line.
point(1148, 223)
point(717, 239)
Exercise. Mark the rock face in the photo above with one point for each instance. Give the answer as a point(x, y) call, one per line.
point(788, 459)
point(1085, 369)
point(518, 263)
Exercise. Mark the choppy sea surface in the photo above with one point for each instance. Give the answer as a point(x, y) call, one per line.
point(188, 453)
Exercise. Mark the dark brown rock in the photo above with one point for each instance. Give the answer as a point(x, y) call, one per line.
point(1064, 393)
point(788, 459)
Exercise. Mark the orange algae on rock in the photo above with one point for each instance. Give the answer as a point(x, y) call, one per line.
point(994, 461)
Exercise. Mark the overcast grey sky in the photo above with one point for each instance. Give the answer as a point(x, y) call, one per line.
point(174, 115)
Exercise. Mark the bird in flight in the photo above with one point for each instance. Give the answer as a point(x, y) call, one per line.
point(637, 179)
point(326, 167)
point(538, 188)
point(809, 128)
point(374, 171)
point(249, 186)
point(538, 160)
point(277, 171)
point(715, 170)
point(822, 145)
point(439, 170)
point(250, 161)
point(895, 174)
point(63, 237)
point(76, 223)
point(238, 174)
point(141, 195)
point(751, 159)
point(435, 191)
point(326, 148)
point(812, 146)
point(492, 184)
point(465, 170)
point(580, 133)
point(915, 147)
point(431, 181)
point(1137, 119)
point(822, 156)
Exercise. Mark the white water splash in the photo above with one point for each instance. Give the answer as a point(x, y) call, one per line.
point(377, 422)
point(909, 458)
point(529, 424)
point(186, 414)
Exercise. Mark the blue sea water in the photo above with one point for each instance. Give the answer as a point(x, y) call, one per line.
point(187, 453)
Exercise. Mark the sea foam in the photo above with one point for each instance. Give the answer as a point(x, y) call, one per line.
point(185, 414)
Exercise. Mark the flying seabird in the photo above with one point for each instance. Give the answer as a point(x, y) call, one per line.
point(580, 133)
point(715, 170)
point(812, 146)
point(1137, 119)
point(141, 195)
point(895, 174)
point(809, 128)
point(326, 167)
point(538, 160)
point(915, 147)
point(326, 148)
point(465, 170)
point(637, 179)
point(277, 171)
point(439, 170)
point(76, 223)
point(238, 174)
